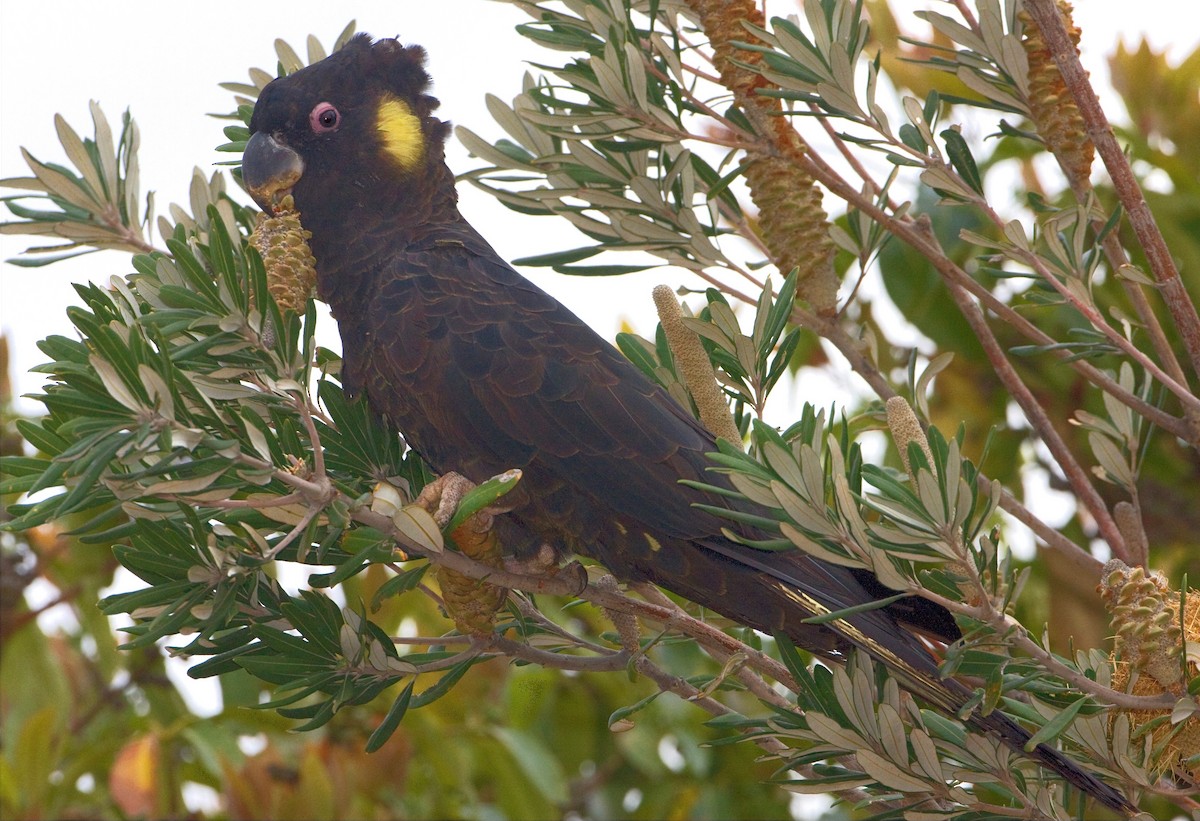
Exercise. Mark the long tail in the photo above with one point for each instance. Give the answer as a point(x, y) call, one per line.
point(1016, 737)
point(777, 592)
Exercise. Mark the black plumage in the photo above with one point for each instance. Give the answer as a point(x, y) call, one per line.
point(482, 372)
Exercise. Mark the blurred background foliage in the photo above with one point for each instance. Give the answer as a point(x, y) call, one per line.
point(90, 731)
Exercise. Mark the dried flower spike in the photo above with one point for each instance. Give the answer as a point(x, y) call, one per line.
point(291, 268)
point(1054, 112)
point(1150, 635)
point(792, 221)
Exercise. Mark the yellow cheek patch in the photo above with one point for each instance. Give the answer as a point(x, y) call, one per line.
point(400, 130)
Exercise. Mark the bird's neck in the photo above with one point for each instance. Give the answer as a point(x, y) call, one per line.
point(415, 205)
point(379, 225)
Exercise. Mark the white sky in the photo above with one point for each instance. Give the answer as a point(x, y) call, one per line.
point(165, 65)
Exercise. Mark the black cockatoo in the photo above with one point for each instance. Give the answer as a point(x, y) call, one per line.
point(483, 372)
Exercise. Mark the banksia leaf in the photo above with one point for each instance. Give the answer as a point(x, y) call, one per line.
point(792, 222)
point(291, 268)
point(1054, 112)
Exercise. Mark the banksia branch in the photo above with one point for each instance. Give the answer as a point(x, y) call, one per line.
point(695, 367)
point(283, 245)
point(1052, 108)
point(792, 222)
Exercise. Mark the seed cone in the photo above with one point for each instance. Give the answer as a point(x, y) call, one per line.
point(1054, 112)
point(473, 603)
point(291, 268)
point(792, 222)
point(1150, 635)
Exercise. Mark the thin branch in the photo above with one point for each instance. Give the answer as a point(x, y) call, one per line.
point(474, 650)
point(691, 97)
point(1017, 633)
point(719, 642)
point(967, 14)
point(1054, 540)
point(429, 641)
point(258, 503)
point(1081, 682)
point(1183, 310)
point(773, 746)
point(742, 226)
point(531, 613)
point(1079, 478)
point(1082, 189)
point(831, 329)
point(755, 683)
point(14, 621)
point(110, 218)
point(909, 230)
point(301, 403)
point(295, 532)
point(1089, 311)
point(725, 288)
point(607, 663)
point(849, 156)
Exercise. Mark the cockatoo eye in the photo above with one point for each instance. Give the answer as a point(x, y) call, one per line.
point(324, 118)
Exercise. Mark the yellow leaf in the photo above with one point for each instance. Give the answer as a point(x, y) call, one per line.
point(134, 778)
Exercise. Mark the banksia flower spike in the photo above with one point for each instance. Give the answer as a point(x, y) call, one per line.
point(695, 367)
point(1053, 109)
point(1150, 636)
point(906, 428)
point(282, 242)
point(472, 603)
point(792, 222)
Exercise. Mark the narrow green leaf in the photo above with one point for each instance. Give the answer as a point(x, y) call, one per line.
point(392, 720)
point(445, 683)
point(558, 257)
point(846, 612)
point(960, 157)
point(601, 270)
point(320, 719)
point(1055, 726)
point(629, 709)
point(395, 586)
point(482, 496)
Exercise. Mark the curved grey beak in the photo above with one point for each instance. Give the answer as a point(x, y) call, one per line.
point(269, 170)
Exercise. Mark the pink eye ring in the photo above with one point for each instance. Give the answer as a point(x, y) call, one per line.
point(324, 118)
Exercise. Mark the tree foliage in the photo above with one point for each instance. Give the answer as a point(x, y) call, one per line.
point(196, 435)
